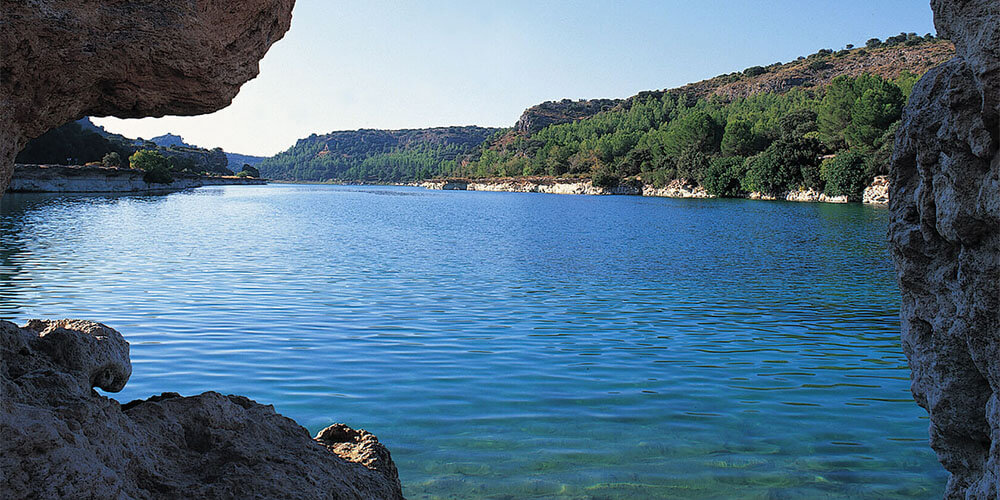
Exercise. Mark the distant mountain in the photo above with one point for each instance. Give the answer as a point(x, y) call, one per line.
point(236, 160)
point(376, 155)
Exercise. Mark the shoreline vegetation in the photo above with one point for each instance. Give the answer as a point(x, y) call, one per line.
point(819, 128)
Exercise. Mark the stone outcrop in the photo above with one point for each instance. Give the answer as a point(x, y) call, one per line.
point(801, 195)
point(548, 113)
point(945, 242)
point(877, 193)
point(65, 59)
point(83, 179)
point(61, 439)
point(533, 185)
point(677, 188)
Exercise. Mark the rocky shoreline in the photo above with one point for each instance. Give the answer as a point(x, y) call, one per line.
point(93, 179)
point(875, 194)
point(61, 439)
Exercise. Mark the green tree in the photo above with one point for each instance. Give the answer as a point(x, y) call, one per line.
point(603, 177)
point(798, 123)
point(834, 113)
point(739, 139)
point(788, 163)
point(154, 164)
point(879, 105)
point(906, 81)
point(250, 170)
point(635, 161)
point(112, 160)
point(846, 174)
point(723, 176)
point(697, 130)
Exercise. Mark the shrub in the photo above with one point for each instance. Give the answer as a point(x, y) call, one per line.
point(846, 174)
point(604, 178)
point(723, 176)
point(158, 175)
point(112, 160)
point(250, 171)
point(787, 163)
point(156, 167)
point(754, 71)
point(818, 65)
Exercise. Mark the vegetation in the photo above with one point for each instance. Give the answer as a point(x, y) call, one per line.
point(248, 171)
point(376, 155)
point(770, 143)
point(81, 142)
point(156, 166)
point(112, 160)
point(69, 144)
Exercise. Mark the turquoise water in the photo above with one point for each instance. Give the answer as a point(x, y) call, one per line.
point(510, 345)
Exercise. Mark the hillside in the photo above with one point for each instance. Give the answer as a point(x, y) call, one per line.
point(80, 142)
point(661, 134)
point(887, 59)
point(375, 155)
point(234, 161)
point(763, 129)
point(820, 68)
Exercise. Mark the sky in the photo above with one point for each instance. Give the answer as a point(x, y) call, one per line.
point(393, 64)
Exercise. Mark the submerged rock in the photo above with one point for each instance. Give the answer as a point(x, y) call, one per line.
point(945, 242)
point(65, 59)
point(61, 439)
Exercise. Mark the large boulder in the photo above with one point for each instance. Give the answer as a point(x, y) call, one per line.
point(61, 439)
point(945, 242)
point(65, 59)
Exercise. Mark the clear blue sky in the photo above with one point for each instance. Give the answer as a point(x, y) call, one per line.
point(385, 64)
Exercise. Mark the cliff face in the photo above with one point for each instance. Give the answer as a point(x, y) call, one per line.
point(548, 113)
point(945, 242)
point(64, 59)
point(61, 439)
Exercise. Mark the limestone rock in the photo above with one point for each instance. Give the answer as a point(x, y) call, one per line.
point(94, 179)
point(945, 242)
point(65, 59)
point(877, 193)
point(60, 439)
point(677, 188)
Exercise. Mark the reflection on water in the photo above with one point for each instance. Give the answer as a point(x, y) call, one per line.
point(510, 345)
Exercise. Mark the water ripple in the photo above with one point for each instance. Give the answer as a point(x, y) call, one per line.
point(510, 345)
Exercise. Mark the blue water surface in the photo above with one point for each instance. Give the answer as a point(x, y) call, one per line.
point(508, 345)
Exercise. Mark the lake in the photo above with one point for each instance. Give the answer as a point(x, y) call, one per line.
point(508, 345)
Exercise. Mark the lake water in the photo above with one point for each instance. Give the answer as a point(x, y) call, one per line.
point(509, 345)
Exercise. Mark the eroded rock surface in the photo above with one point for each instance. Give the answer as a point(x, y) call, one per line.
point(945, 241)
point(65, 59)
point(60, 439)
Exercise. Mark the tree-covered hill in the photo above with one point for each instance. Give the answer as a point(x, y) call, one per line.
point(376, 155)
point(764, 129)
point(80, 142)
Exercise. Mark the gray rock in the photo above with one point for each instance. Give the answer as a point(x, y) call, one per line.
point(61, 439)
point(945, 242)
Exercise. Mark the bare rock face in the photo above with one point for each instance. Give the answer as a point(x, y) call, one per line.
point(61, 60)
point(945, 241)
point(60, 439)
